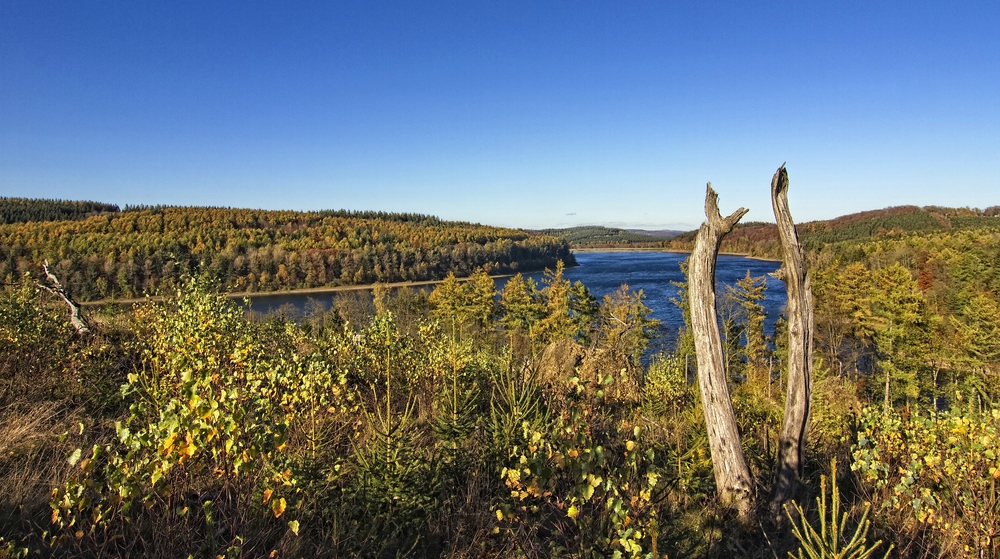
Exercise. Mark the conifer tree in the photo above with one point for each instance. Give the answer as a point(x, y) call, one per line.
point(584, 309)
point(748, 293)
point(521, 305)
point(558, 323)
point(898, 331)
point(449, 305)
point(481, 293)
point(625, 322)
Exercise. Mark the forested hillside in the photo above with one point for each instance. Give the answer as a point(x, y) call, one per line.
point(595, 236)
point(146, 249)
point(761, 239)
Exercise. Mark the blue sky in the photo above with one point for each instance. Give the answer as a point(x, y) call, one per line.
point(526, 114)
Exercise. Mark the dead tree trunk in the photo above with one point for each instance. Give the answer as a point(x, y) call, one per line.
point(75, 316)
point(732, 476)
point(788, 472)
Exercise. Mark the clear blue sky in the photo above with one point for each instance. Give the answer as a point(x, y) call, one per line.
point(529, 114)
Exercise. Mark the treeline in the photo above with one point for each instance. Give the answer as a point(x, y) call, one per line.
point(144, 250)
point(404, 217)
point(598, 236)
point(21, 210)
point(928, 301)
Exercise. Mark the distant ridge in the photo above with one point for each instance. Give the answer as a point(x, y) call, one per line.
point(596, 236)
point(662, 233)
point(752, 238)
point(761, 239)
point(24, 210)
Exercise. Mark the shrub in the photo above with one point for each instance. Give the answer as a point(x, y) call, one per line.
point(198, 464)
point(934, 476)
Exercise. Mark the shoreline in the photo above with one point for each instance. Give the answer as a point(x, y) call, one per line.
point(627, 249)
point(292, 292)
point(237, 295)
point(673, 250)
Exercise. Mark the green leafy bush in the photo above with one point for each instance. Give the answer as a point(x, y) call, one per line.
point(935, 476)
point(201, 452)
point(584, 482)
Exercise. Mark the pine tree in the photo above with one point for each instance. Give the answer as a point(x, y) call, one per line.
point(898, 331)
point(481, 293)
point(557, 324)
point(748, 293)
point(521, 304)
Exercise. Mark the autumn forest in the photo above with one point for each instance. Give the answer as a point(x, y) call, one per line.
point(460, 420)
point(111, 254)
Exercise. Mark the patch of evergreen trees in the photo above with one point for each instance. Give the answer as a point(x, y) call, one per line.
point(21, 210)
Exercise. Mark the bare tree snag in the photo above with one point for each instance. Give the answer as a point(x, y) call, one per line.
point(75, 316)
point(791, 444)
point(732, 476)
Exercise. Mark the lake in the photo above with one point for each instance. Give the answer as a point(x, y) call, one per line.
point(652, 272)
point(604, 272)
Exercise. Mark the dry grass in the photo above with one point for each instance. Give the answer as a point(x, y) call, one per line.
point(34, 440)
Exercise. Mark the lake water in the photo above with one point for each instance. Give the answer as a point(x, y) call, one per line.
point(604, 272)
point(652, 272)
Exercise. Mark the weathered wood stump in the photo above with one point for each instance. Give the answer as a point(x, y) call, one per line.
point(791, 444)
point(732, 476)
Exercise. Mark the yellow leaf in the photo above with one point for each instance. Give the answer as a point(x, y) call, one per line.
point(187, 449)
point(267, 495)
point(293, 525)
point(169, 443)
point(499, 514)
point(278, 507)
point(572, 512)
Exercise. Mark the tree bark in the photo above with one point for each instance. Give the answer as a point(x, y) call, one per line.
point(791, 444)
point(75, 315)
point(732, 476)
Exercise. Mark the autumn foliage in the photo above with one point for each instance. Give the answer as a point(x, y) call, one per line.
point(428, 424)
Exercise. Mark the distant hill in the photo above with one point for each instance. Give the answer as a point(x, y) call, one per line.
point(124, 254)
point(662, 233)
point(761, 239)
point(596, 236)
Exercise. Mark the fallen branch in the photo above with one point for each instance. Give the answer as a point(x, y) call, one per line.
point(75, 316)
